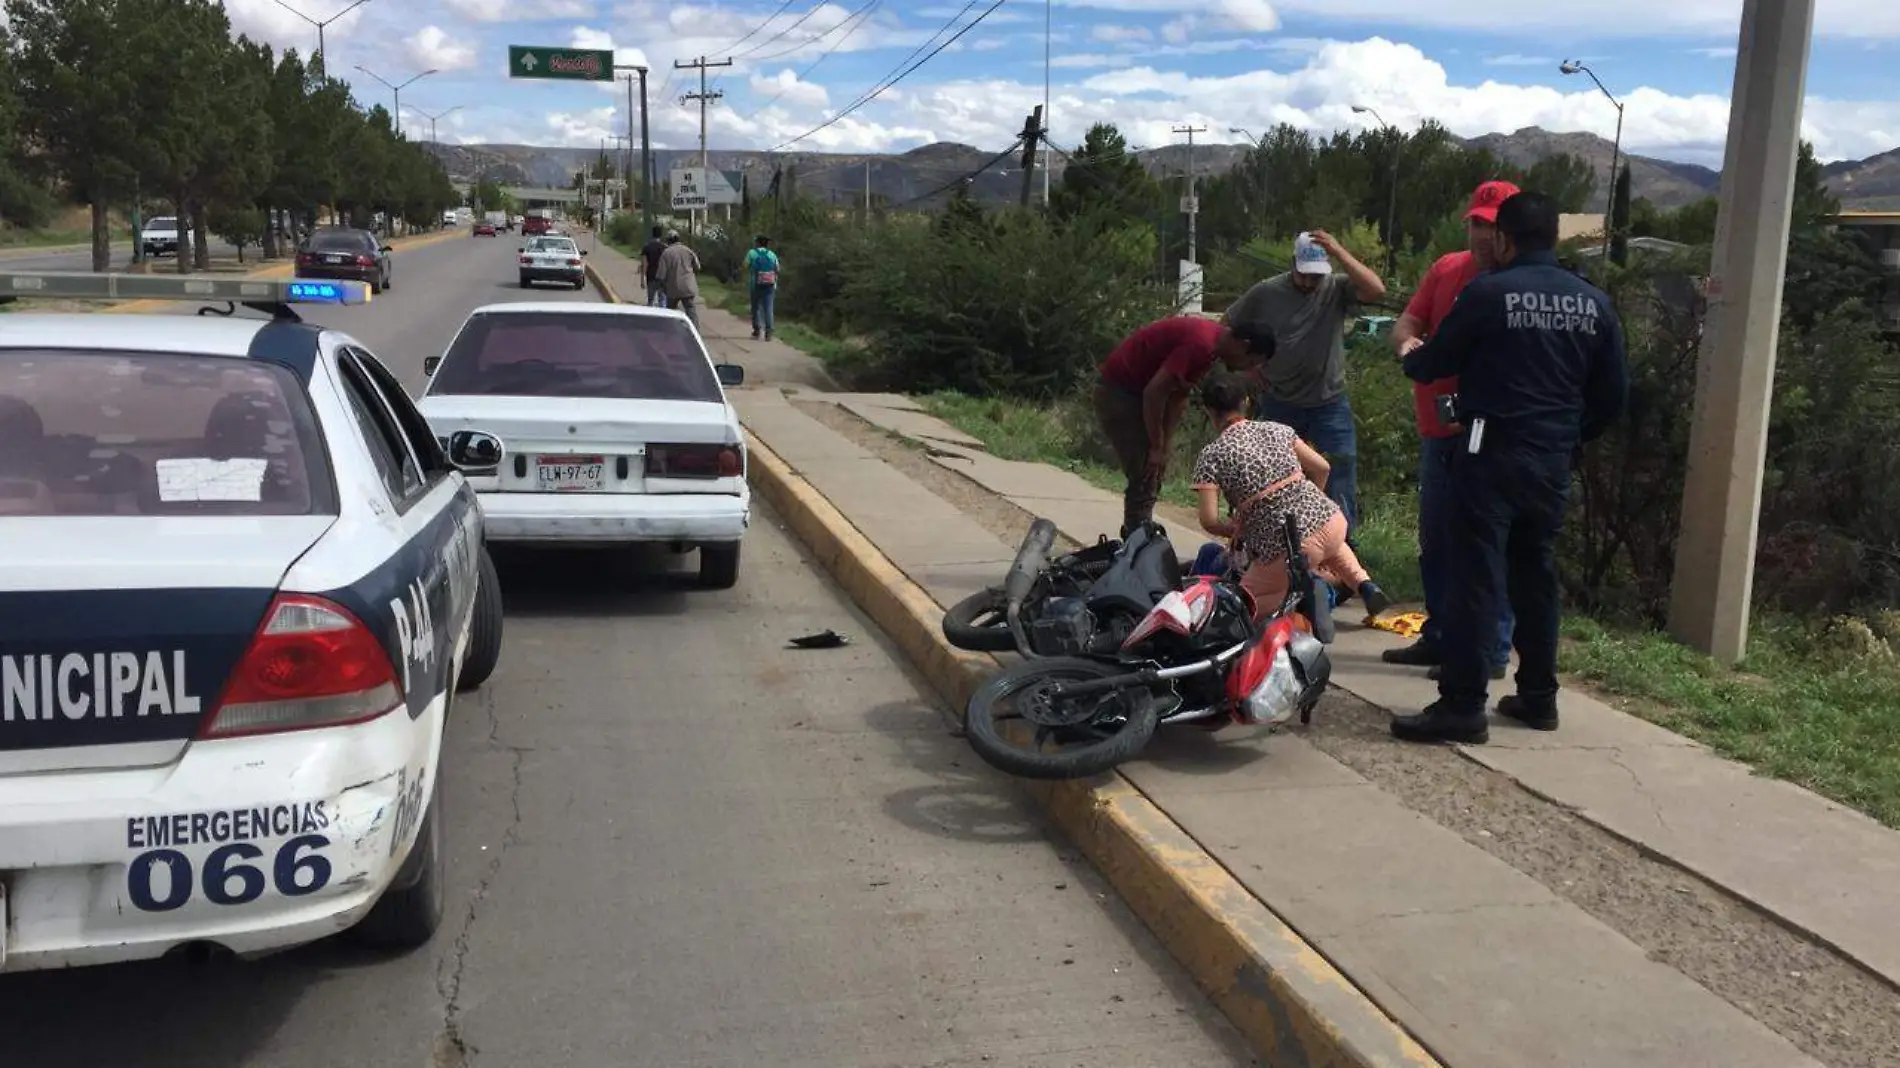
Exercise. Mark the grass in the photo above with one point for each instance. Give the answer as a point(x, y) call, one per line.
point(732, 298)
point(1816, 704)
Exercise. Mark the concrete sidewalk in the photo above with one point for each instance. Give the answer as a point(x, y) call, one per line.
point(1471, 930)
point(729, 336)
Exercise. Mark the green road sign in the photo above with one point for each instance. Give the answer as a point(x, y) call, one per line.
point(560, 64)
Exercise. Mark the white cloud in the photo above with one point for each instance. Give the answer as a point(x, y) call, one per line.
point(785, 86)
point(1514, 60)
point(1727, 52)
point(601, 40)
point(1110, 33)
point(1597, 18)
point(521, 10)
point(431, 46)
point(1089, 61)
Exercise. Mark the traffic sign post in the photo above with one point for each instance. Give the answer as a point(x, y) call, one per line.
point(560, 64)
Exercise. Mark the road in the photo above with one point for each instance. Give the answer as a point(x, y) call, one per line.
point(79, 257)
point(674, 842)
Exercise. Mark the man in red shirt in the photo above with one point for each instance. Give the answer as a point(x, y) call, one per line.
point(1144, 386)
point(1428, 307)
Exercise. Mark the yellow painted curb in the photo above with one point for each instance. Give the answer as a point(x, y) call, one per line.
point(1294, 1008)
point(281, 270)
point(601, 286)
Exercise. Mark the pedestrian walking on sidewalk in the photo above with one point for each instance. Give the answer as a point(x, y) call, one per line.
point(1539, 357)
point(1423, 314)
point(1142, 390)
point(1266, 473)
point(678, 276)
point(650, 255)
point(761, 267)
point(1307, 309)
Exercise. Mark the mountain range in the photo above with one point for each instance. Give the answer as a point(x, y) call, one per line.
point(925, 174)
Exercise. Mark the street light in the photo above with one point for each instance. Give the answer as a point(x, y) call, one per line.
point(1259, 150)
point(1571, 66)
point(433, 119)
point(1392, 197)
point(325, 22)
point(397, 89)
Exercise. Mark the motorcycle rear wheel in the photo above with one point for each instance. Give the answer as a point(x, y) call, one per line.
point(978, 623)
point(1104, 744)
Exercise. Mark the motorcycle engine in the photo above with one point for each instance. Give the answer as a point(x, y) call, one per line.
point(1065, 627)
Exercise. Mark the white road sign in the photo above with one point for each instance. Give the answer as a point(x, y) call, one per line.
point(698, 187)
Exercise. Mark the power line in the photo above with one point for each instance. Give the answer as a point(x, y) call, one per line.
point(862, 14)
point(760, 26)
point(963, 178)
point(780, 35)
point(906, 72)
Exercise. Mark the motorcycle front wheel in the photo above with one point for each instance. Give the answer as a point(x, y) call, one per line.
point(1014, 715)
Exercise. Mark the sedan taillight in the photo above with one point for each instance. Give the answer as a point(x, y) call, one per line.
point(694, 461)
point(364, 259)
point(312, 664)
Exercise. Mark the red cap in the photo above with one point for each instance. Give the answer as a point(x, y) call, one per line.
point(1487, 197)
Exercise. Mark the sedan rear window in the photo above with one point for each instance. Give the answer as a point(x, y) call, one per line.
point(582, 354)
point(97, 434)
point(340, 240)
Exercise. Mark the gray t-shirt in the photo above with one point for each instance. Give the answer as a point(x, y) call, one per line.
point(1308, 367)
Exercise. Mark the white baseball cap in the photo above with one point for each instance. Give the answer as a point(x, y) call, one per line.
point(1308, 257)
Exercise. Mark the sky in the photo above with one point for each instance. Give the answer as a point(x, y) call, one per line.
point(1146, 65)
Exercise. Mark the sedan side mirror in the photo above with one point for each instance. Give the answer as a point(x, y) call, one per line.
point(474, 450)
point(583, 252)
point(730, 374)
point(389, 248)
point(429, 364)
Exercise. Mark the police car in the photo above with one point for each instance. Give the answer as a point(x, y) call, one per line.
point(241, 582)
point(620, 427)
point(552, 259)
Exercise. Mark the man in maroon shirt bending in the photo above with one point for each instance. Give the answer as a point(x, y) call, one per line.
point(1144, 387)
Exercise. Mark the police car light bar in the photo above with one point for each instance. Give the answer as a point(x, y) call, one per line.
point(84, 285)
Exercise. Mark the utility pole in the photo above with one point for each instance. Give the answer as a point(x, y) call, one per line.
point(1032, 133)
point(867, 192)
point(646, 165)
point(704, 97)
point(1191, 204)
point(1048, 27)
point(1735, 372)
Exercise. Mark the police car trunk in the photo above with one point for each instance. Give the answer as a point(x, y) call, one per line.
point(150, 505)
point(617, 425)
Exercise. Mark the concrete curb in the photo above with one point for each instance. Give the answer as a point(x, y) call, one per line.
point(600, 284)
point(280, 270)
point(1291, 1004)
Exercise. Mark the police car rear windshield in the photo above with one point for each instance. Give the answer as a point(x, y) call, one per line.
point(582, 354)
point(149, 434)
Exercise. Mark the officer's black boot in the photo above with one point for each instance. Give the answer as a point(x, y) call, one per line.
point(1420, 653)
point(1537, 715)
point(1376, 599)
point(1498, 671)
point(1440, 722)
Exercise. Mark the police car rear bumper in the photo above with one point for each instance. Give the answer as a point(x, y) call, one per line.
point(618, 518)
point(553, 274)
point(306, 830)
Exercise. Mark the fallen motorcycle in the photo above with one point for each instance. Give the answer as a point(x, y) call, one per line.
point(1195, 656)
point(1087, 601)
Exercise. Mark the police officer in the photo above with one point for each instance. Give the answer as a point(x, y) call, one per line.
point(1539, 357)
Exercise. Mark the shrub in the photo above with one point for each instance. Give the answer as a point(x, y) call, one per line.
point(1018, 305)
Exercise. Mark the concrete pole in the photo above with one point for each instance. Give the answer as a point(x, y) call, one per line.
point(1735, 372)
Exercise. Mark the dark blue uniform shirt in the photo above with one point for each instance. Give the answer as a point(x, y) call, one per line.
point(1538, 353)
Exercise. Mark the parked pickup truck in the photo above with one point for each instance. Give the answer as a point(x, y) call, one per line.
point(159, 236)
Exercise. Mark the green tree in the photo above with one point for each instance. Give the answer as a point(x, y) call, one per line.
point(1620, 219)
point(1103, 177)
point(1564, 178)
point(237, 142)
point(24, 202)
point(77, 66)
point(240, 225)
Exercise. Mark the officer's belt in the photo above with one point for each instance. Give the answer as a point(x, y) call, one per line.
point(1513, 434)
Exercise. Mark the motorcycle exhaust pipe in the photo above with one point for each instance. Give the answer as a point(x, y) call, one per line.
point(1030, 560)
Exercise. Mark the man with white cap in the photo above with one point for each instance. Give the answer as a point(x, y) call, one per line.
point(1307, 310)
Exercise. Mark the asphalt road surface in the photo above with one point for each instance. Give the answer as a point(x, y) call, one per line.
point(673, 842)
point(79, 258)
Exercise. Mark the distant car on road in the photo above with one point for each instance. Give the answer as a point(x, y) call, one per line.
point(552, 259)
point(341, 253)
point(242, 585)
point(535, 224)
point(618, 425)
point(159, 236)
point(484, 229)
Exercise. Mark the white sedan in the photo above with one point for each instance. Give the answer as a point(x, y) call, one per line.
point(552, 259)
point(618, 427)
point(241, 583)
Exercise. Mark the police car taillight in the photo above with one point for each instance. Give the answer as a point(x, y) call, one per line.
point(312, 664)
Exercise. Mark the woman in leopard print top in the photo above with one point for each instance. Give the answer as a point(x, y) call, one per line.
point(1266, 473)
